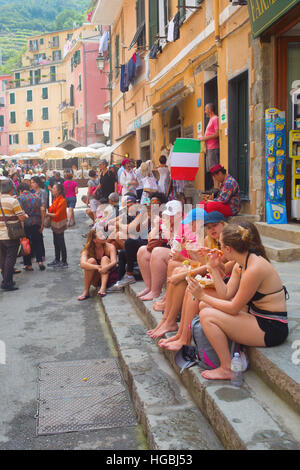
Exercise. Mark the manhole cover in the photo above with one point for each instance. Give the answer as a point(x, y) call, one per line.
point(82, 396)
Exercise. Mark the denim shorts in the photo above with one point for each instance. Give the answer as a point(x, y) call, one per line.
point(71, 202)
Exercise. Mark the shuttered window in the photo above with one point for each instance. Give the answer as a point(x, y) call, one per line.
point(153, 22)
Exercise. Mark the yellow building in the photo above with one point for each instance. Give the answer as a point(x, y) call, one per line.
point(39, 88)
point(211, 61)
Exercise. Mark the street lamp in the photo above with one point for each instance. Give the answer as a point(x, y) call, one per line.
point(100, 62)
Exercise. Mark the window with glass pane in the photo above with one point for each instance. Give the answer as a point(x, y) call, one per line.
point(45, 93)
point(12, 98)
point(30, 138)
point(12, 117)
point(17, 80)
point(1, 120)
point(30, 115)
point(181, 3)
point(52, 73)
point(29, 95)
point(45, 114)
point(46, 137)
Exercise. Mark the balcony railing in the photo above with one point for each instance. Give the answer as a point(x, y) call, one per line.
point(64, 106)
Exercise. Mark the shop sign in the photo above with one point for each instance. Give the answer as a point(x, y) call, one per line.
point(263, 13)
point(140, 121)
point(223, 111)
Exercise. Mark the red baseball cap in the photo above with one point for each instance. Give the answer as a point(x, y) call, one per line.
point(216, 168)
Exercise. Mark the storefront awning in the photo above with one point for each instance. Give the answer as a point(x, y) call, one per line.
point(106, 11)
point(172, 99)
point(264, 14)
point(137, 35)
point(109, 151)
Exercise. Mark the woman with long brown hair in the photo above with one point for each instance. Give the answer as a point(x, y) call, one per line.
point(98, 258)
point(252, 307)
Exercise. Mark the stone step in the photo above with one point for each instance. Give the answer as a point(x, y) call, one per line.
point(263, 414)
point(279, 250)
point(168, 416)
point(285, 232)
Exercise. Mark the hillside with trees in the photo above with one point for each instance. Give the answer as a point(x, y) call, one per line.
point(20, 19)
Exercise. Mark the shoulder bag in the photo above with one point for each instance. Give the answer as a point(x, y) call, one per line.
point(14, 230)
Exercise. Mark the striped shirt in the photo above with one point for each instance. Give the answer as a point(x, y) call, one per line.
point(12, 210)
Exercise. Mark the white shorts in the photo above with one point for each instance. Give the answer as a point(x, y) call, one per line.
point(94, 205)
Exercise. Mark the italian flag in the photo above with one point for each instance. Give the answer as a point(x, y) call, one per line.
point(184, 159)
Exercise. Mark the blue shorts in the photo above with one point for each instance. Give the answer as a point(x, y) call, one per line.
point(71, 202)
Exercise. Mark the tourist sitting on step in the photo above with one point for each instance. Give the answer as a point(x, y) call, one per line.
point(252, 308)
point(136, 235)
point(228, 199)
point(177, 298)
point(98, 260)
point(153, 259)
point(190, 307)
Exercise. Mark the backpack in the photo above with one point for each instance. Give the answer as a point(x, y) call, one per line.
point(202, 353)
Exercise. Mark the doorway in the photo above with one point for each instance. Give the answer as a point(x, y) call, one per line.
point(238, 132)
point(210, 96)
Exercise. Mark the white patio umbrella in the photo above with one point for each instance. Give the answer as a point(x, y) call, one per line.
point(83, 152)
point(96, 145)
point(54, 153)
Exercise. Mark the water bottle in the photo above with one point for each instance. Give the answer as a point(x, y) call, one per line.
point(236, 370)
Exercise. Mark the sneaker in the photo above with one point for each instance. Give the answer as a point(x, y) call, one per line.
point(62, 265)
point(115, 288)
point(126, 280)
point(53, 264)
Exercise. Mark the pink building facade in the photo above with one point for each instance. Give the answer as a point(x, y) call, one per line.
point(4, 115)
point(86, 88)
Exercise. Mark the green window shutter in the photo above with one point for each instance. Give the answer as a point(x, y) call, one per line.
point(30, 138)
point(153, 22)
point(29, 115)
point(12, 98)
point(53, 73)
point(18, 79)
point(182, 10)
point(79, 83)
point(140, 20)
point(45, 114)
point(77, 116)
point(1, 120)
point(10, 139)
point(16, 139)
point(12, 117)
point(46, 137)
point(44, 93)
point(29, 95)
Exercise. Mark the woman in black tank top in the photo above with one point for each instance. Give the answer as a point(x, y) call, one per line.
point(253, 310)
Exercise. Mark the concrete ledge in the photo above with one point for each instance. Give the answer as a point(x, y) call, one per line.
point(240, 421)
point(168, 416)
point(279, 250)
point(284, 232)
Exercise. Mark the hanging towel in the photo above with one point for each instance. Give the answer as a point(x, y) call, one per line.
point(147, 67)
point(103, 45)
point(138, 62)
point(131, 71)
point(170, 37)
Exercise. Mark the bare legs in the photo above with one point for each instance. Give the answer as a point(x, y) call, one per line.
point(158, 267)
point(174, 299)
point(218, 326)
point(143, 259)
point(190, 309)
point(71, 217)
point(91, 277)
point(104, 276)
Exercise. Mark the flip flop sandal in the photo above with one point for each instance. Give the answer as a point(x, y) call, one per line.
point(101, 294)
point(83, 298)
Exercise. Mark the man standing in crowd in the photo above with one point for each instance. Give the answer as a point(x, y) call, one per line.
point(211, 139)
point(228, 200)
point(10, 213)
point(108, 182)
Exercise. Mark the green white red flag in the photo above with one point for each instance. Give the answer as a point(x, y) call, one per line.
point(184, 159)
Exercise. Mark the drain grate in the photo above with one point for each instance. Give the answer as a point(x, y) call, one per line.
point(82, 396)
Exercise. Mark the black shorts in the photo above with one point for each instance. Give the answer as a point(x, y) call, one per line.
point(276, 332)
